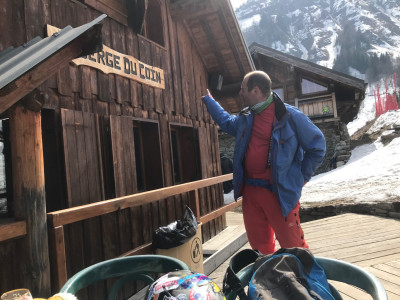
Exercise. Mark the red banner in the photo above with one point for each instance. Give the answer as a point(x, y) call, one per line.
point(387, 101)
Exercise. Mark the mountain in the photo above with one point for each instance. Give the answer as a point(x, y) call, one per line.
point(320, 31)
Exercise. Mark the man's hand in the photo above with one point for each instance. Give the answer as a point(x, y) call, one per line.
point(208, 94)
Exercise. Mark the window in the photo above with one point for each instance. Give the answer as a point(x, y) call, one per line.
point(175, 156)
point(143, 16)
point(154, 22)
point(137, 133)
point(309, 87)
point(55, 169)
point(279, 91)
point(185, 154)
point(136, 14)
point(149, 173)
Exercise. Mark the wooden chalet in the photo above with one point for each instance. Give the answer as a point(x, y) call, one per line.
point(103, 147)
point(329, 98)
point(321, 93)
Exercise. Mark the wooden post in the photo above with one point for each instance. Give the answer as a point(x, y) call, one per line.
point(57, 253)
point(29, 198)
point(194, 203)
point(334, 105)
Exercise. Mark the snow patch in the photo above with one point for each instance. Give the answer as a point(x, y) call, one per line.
point(247, 23)
point(370, 175)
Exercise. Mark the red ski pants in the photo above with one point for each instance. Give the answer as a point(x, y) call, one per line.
point(263, 218)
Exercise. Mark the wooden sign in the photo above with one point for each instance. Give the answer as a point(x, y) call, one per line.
point(111, 61)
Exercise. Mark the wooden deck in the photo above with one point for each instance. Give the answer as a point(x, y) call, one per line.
point(370, 242)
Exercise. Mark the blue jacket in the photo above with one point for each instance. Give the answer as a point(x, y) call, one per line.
point(298, 148)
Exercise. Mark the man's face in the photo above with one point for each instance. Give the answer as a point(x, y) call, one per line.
point(248, 97)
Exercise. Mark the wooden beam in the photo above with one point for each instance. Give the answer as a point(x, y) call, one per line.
point(317, 98)
point(30, 80)
point(11, 229)
point(144, 249)
point(79, 213)
point(29, 197)
point(195, 204)
point(188, 14)
point(220, 211)
point(184, 9)
point(115, 9)
point(232, 42)
point(335, 115)
point(211, 40)
point(325, 120)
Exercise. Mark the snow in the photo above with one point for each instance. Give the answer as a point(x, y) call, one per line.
point(367, 112)
point(246, 23)
point(373, 172)
point(331, 48)
point(322, 23)
point(370, 175)
point(355, 73)
point(237, 3)
point(389, 119)
point(228, 198)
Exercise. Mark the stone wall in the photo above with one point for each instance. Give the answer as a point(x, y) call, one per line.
point(309, 212)
point(337, 145)
point(226, 143)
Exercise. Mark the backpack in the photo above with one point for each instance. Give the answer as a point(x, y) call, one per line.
point(289, 273)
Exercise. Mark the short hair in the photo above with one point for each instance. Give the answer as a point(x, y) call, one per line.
point(260, 79)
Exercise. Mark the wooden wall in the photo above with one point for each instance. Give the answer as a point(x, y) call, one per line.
point(87, 121)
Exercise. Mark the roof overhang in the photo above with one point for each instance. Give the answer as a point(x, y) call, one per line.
point(22, 69)
point(214, 29)
point(257, 49)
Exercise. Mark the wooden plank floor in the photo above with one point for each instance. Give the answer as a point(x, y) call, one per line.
point(370, 242)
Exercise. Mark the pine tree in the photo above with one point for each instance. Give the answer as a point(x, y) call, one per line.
point(353, 51)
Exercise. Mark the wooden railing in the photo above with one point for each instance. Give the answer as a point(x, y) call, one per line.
point(56, 220)
point(318, 106)
point(11, 229)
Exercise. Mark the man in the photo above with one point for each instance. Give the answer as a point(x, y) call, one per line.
point(277, 150)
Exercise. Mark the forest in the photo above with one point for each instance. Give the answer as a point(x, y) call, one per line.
point(354, 53)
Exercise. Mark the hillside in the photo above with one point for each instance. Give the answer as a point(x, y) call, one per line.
point(318, 30)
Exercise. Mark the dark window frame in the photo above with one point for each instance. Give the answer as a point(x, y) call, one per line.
point(154, 30)
point(188, 158)
point(147, 147)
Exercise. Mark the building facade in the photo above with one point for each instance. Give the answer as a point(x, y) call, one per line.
point(123, 120)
